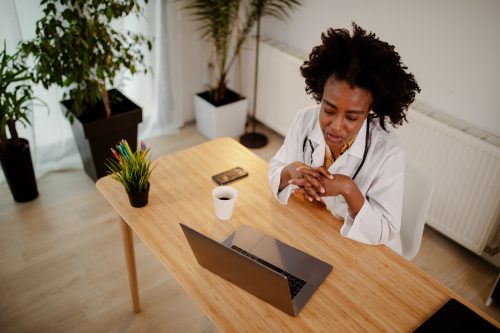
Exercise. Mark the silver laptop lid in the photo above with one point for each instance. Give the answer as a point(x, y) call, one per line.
point(257, 277)
point(240, 270)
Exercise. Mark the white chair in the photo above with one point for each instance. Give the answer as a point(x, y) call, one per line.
point(416, 201)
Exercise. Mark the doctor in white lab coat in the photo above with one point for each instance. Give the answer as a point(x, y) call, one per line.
point(340, 152)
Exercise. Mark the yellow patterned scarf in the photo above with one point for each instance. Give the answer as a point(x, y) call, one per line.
point(330, 158)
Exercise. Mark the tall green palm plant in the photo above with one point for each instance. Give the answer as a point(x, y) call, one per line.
point(15, 97)
point(220, 25)
point(16, 101)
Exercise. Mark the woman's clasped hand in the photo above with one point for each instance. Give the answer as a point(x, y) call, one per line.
point(315, 183)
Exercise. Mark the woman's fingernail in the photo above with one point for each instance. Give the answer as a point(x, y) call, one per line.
point(310, 199)
point(322, 190)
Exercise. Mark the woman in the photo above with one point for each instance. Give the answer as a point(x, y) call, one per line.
point(340, 152)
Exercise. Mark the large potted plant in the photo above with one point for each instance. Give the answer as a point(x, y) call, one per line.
point(15, 101)
point(77, 48)
point(219, 111)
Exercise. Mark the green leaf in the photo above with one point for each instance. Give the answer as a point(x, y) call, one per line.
point(100, 73)
point(109, 13)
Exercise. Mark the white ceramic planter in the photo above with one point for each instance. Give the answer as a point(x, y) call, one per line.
point(227, 120)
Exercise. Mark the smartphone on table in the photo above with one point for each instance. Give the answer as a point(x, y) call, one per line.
point(229, 176)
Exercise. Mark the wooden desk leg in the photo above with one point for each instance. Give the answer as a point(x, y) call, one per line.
point(128, 246)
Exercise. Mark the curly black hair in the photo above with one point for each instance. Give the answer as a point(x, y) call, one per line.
point(363, 61)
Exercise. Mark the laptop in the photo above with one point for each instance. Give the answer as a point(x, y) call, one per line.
point(279, 274)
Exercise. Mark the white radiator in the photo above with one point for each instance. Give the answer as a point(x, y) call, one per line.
point(466, 171)
point(465, 166)
point(281, 90)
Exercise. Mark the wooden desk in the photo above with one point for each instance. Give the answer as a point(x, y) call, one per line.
point(370, 289)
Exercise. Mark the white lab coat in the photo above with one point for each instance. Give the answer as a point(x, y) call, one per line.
point(380, 179)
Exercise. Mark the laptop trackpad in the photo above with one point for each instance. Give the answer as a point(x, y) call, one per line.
point(277, 253)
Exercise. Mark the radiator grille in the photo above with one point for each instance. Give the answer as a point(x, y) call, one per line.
point(466, 172)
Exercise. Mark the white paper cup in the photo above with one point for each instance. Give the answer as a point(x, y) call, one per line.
point(224, 198)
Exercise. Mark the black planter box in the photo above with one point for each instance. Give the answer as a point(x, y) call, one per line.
point(18, 169)
point(95, 135)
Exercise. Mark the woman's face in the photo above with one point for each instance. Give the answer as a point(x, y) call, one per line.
point(343, 110)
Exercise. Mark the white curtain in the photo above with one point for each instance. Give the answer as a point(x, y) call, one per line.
point(51, 140)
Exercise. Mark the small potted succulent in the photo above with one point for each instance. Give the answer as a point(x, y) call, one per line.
point(132, 170)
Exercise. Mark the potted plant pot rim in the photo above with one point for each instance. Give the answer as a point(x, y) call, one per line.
point(229, 97)
point(95, 117)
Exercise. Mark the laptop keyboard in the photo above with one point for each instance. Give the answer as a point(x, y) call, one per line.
point(294, 283)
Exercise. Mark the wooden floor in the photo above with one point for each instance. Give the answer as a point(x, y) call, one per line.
point(62, 267)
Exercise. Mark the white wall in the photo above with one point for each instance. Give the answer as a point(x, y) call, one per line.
point(193, 63)
point(451, 46)
point(9, 28)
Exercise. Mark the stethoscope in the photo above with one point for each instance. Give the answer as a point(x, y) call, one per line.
point(365, 152)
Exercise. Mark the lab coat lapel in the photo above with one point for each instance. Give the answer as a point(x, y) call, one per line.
point(358, 146)
point(316, 136)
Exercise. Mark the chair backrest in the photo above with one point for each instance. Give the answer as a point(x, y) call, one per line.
point(416, 201)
